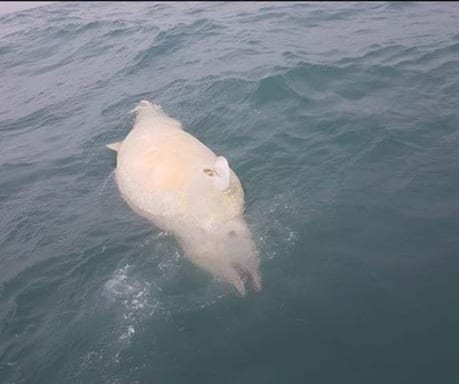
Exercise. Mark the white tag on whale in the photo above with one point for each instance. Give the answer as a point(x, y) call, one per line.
point(222, 174)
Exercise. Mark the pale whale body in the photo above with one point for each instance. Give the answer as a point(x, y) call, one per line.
point(169, 177)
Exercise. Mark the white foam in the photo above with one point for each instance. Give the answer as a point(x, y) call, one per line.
point(135, 300)
point(126, 336)
point(271, 223)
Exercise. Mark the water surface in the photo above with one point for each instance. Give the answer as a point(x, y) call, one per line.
point(341, 120)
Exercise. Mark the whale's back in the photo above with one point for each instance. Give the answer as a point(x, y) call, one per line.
point(163, 171)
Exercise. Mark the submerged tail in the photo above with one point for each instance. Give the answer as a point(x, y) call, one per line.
point(146, 106)
point(153, 113)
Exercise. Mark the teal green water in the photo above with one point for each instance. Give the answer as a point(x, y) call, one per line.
point(342, 122)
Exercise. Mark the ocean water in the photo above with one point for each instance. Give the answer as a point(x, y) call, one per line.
point(342, 122)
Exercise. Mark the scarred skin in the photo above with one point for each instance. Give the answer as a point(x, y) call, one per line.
point(169, 177)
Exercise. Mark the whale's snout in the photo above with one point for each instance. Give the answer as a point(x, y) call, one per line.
point(227, 251)
point(240, 250)
point(246, 276)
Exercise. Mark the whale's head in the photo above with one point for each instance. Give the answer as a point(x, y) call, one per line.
point(239, 249)
point(227, 251)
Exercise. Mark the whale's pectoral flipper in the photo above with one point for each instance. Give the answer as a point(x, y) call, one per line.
point(114, 146)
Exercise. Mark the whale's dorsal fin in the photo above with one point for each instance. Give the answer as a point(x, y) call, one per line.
point(222, 173)
point(114, 146)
